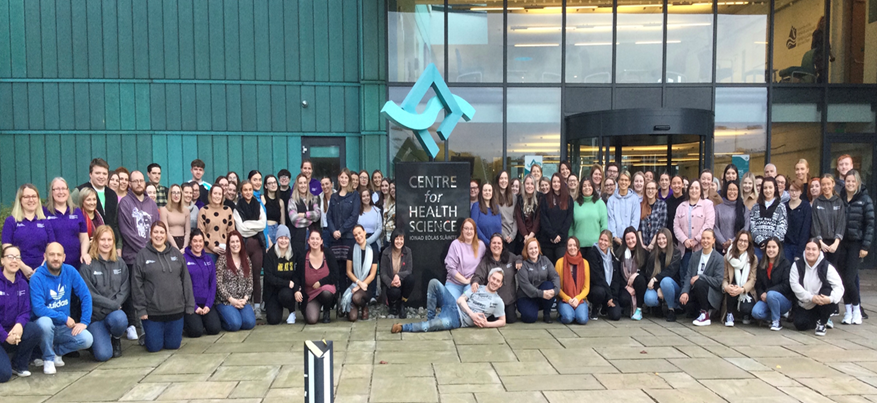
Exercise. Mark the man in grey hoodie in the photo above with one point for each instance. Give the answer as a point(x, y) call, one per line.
point(137, 212)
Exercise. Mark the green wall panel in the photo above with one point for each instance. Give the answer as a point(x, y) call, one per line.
point(169, 81)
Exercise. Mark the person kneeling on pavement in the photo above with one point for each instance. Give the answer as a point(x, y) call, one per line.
point(108, 281)
point(817, 287)
point(471, 309)
point(702, 284)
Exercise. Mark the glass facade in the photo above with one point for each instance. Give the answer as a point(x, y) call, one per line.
point(766, 69)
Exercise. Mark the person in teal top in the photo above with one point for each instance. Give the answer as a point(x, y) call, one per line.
point(589, 216)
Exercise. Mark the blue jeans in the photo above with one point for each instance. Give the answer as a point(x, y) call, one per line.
point(456, 290)
point(30, 337)
point(651, 298)
point(567, 313)
point(437, 295)
point(671, 289)
point(760, 253)
point(271, 232)
point(686, 260)
point(529, 307)
point(234, 319)
point(159, 335)
point(113, 325)
point(776, 306)
point(59, 339)
point(792, 251)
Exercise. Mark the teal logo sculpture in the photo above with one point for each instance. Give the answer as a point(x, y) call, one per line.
point(406, 115)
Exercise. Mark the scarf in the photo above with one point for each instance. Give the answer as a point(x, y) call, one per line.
point(360, 270)
point(767, 212)
point(248, 211)
point(607, 264)
point(571, 287)
point(741, 274)
point(629, 272)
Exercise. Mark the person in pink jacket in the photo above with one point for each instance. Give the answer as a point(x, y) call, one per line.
point(690, 221)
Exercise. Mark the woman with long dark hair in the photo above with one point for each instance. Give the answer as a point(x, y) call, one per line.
point(653, 216)
point(739, 280)
point(527, 213)
point(589, 217)
point(275, 208)
point(732, 216)
point(500, 256)
point(317, 280)
point(205, 319)
point(596, 177)
point(768, 217)
point(505, 203)
point(662, 271)
point(362, 267)
point(485, 213)
point(234, 286)
point(397, 266)
point(772, 285)
point(556, 219)
point(731, 174)
point(250, 221)
point(630, 260)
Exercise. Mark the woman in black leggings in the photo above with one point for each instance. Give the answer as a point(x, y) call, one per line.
point(855, 243)
point(317, 278)
point(281, 279)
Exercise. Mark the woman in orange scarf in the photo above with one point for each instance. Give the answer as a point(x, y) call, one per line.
point(575, 282)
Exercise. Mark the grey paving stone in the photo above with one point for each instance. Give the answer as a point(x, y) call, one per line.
point(412, 390)
point(709, 368)
point(538, 382)
point(101, 385)
point(628, 396)
point(198, 390)
point(465, 373)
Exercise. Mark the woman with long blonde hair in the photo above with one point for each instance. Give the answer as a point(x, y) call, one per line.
point(28, 229)
point(108, 279)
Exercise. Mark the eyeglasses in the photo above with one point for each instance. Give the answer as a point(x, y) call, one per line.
point(137, 181)
point(59, 189)
point(13, 257)
point(30, 197)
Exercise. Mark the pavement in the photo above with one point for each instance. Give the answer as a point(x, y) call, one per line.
point(646, 361)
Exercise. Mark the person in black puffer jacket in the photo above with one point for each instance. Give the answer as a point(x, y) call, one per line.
point(857, 240)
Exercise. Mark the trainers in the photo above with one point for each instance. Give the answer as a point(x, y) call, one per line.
point(117, 347)
point(820, 328)
point(638, 314)
point(131, 333)
point(729, 320)
point(703, 319)
point(59, 362)
point(746, 319)
point(829, 324)
point(49, 368)
point(670, 316)
point(776, 326)
point(291, 319)
point(857, 316)
point(22, 374)
point(397, 328)
point(37, 362)
point(848, 319)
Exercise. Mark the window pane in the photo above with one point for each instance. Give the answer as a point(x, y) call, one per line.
point(534, 44)
point(475, 42)
point(690, 42)
point(533, 128)
point(640, 38)
point(796, 129)
point(416, 38)
point(741, 122)
point(741, 40)
point(404, 145)
point(795, 54)
point(479, 141)
point(852, 110)
point(589, 42)
point(853, 33)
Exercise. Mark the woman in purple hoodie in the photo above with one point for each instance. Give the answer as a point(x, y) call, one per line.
point(17, 332)
point(205, 319)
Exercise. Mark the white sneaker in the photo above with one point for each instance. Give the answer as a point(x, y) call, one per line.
point(22, 374)
point(38, 362)
point(59, 362)
point(132, 333)
point(829, 324)
point(848, 318)
point(703, 319)
point(776, 326)
point(49, 368)
point(729, 321)
point(857, 315)
point(291, 319)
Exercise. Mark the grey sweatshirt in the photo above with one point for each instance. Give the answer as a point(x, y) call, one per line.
point(160, 283)
point(135, 218)
point(531, 275)
point(109, 285)
point(726, 217)
point(829, 218)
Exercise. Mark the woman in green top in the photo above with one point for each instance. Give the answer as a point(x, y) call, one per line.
point(589, 217)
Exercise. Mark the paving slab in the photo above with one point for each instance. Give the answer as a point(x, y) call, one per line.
point(627, 396)
point(486, 353)
point(414, 345)
point(710, 368)
point(247, 359)
point(523, 368)
point(403, 370)
point(457, 397)
point(538, 382)
point(799, 367)
point(252, 373)
point(684, 395)
point(507, 397)
point(805, 395)
point(843, 385)
point(411, 390)
point(579, 361)
point(39, 384)
point(191, 364)
point(101, 385)
point(595, 342)
point(743, 389)
point(198, 390)
point(632, 381)
point(648, 365)
point(410, 357)
point(144, 392)
point(465, 373)
point(250, 389)
point(470, 388)
point(638, 353)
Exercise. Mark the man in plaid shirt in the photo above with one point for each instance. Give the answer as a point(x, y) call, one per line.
point(154, 172)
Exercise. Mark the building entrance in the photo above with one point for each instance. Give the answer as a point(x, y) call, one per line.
point(678, 141)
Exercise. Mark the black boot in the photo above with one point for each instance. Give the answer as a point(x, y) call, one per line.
point(326, 312)
point(117, 347)
point(546, 317)
point(394, 308)
point(403, 311)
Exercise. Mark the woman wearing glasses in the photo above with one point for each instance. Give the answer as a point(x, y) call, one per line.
point(28, 229)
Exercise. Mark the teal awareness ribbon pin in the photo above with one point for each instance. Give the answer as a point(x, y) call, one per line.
point(405, 115)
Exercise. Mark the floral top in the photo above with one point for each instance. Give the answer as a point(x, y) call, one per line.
point(232, 284)
point(389, 221)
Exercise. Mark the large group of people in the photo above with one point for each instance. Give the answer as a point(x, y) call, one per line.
point(738, 247)
point(122, 256)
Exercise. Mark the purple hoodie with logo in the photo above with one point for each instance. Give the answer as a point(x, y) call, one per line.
point(14, 303)
point(203, 274)
point(135, 219)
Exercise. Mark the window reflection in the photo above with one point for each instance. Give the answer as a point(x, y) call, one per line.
point(533, 128)
point(854, 42)
point(741, 122)
point(796, 55)
point(690, 42)
point(534, 45)
point(589, 42)
point(741, 42)
point(416, 38)
point(479, 141)
point(640, 39)
point(475, 42)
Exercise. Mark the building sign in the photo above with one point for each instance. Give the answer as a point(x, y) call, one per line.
point(406, 115)
point(432, 200)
